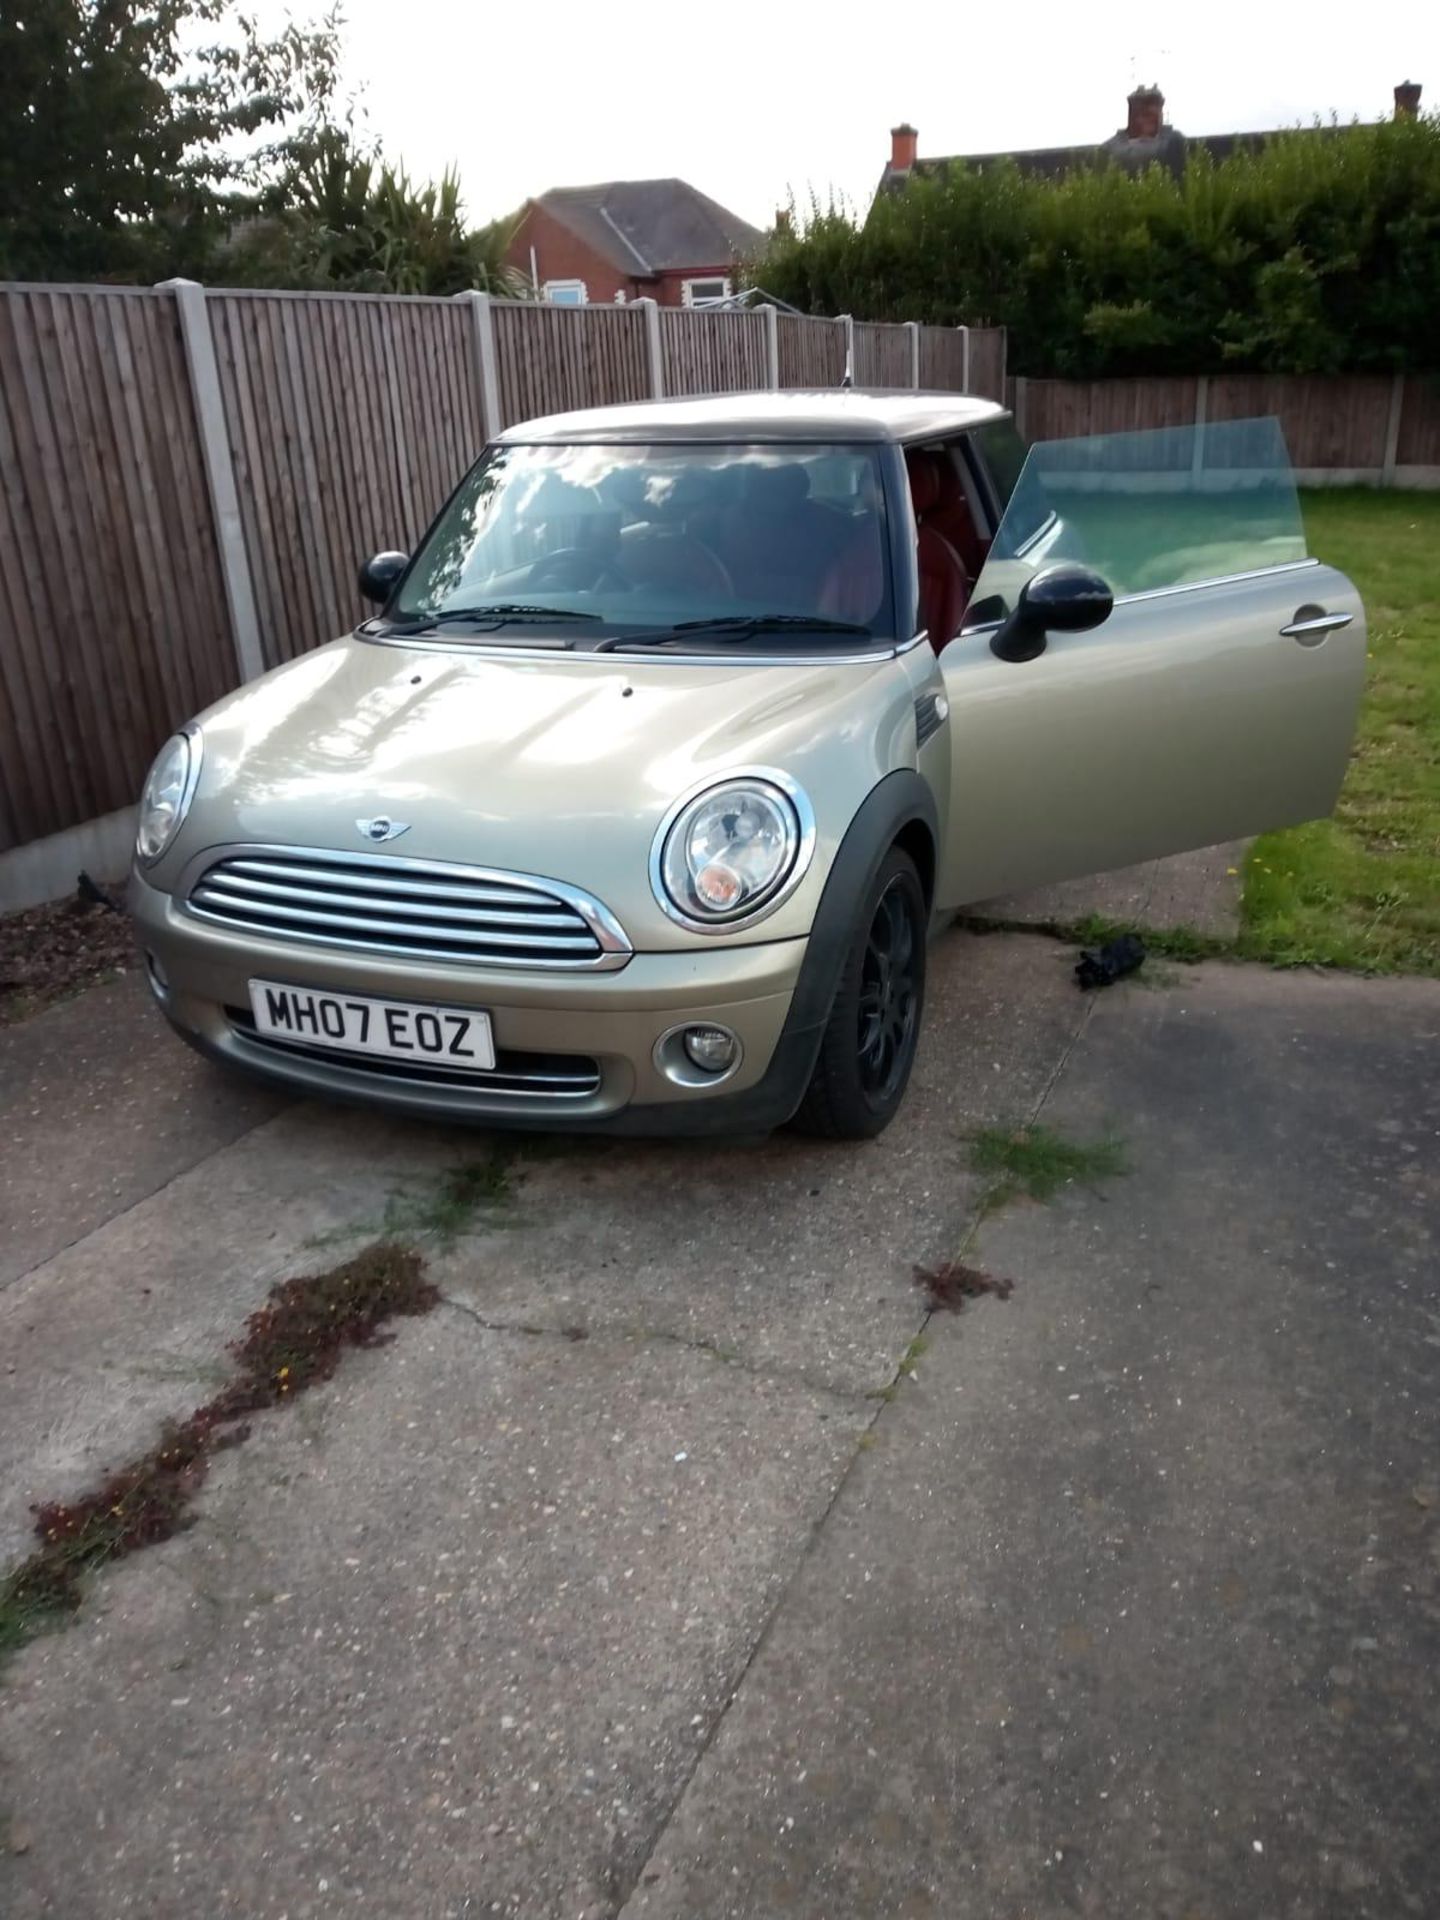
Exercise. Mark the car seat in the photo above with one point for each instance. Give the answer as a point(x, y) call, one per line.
point(944, 582)
point(950, 515)
point(779, 543)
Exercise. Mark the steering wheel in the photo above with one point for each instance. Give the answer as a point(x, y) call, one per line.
point(668, 557)
point(575, 567)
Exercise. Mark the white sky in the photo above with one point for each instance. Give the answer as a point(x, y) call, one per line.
point(753, 99)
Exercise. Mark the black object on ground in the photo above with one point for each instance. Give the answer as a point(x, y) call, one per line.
point(92, 894)
point(1111, 962)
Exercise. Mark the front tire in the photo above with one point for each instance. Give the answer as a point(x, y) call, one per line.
point(868, 1046)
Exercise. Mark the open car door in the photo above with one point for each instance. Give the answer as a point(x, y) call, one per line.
point(1216, 698)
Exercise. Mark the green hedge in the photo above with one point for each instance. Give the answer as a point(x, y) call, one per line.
point(1319, 253)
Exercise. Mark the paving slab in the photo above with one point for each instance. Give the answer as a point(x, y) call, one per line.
point(446, 1643)
point(100, 1105)
point(731, 1303)
point(1132, 1606)
point(791, 1255)
point(794, 1256)
point(128, 1327)
point(1200, 890)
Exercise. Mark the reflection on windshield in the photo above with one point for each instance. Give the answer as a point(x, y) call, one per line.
point(1160, 508)
point(639, 537)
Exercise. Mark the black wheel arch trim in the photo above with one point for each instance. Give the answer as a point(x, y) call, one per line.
point(902, 800)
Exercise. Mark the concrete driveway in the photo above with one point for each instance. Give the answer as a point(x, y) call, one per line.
point(639, 1579)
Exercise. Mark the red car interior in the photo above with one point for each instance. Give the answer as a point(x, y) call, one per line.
point(944, 578)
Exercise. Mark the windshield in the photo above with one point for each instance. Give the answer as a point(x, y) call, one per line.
point(629, 543)
point(1160, 508)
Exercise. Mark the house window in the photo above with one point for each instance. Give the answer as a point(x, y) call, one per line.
point(694, 292)
point(565, 293)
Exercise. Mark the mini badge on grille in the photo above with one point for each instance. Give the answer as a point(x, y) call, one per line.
point(382, 828)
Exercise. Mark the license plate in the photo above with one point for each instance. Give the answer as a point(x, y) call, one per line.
point(354, 1023)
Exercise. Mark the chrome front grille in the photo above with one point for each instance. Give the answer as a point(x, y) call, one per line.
point(419, 909)
point(539, 1076)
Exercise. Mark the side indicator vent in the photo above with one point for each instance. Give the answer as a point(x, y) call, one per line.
point(931, 712)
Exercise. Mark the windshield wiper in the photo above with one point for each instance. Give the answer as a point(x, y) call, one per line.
point(738, 626)
point(501, 613)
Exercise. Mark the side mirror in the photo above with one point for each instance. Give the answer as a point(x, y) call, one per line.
point(379, 574)
point(1063, 599)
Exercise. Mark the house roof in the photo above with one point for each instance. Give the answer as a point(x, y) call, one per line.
point(645, 227)
point(826, 414)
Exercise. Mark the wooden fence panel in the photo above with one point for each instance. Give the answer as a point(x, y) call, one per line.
point(811, 352)
point(882, 355)
point(1419, 442)
point(987, 362)
point(350, 418)
point(942, 359)
point(1336, 423)
point(1327, 421)
point(1062, 409)
point(113, 624)
point(550, 359)
point(708, 351)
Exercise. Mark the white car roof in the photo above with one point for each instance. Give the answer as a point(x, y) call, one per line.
point(827, 414)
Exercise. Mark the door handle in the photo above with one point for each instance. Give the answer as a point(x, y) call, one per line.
point(1313, 623)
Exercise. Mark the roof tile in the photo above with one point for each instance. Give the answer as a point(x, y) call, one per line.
point(646, 227)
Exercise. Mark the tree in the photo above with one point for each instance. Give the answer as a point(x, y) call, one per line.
point(339, 217)
point(139, 129)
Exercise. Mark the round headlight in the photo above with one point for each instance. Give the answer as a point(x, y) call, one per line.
point(728, 853)
point(169, 789)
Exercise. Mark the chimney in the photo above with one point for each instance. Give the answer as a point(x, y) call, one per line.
point(1407, 100)
point(904, 145)
point(1147, 114)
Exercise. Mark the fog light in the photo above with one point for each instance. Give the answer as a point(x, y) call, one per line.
point(710, 1048)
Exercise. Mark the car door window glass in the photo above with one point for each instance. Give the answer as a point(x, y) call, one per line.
point(1148, 510)
point(1003, 451)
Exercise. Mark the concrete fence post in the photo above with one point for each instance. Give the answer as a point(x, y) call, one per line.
point(482, 321)
point(772, 346)
point(1202, 414)
point(912, 327)
point(846, 323)
point(1392, 430)
point(654, 353)
point(965, 360)
point(209, 404)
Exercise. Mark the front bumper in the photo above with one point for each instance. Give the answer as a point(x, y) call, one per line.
point(576, 1051)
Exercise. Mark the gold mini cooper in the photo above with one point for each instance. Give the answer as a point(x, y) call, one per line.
point(689, 721)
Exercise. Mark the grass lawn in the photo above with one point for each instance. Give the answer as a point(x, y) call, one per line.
point(1363, 888)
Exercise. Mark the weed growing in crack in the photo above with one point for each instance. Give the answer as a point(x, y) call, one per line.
point(1038, 1162)
point(295, 1340)
point(910, 1359)
point(905, 1368)
point(439, 1208)
point(452, 1202)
